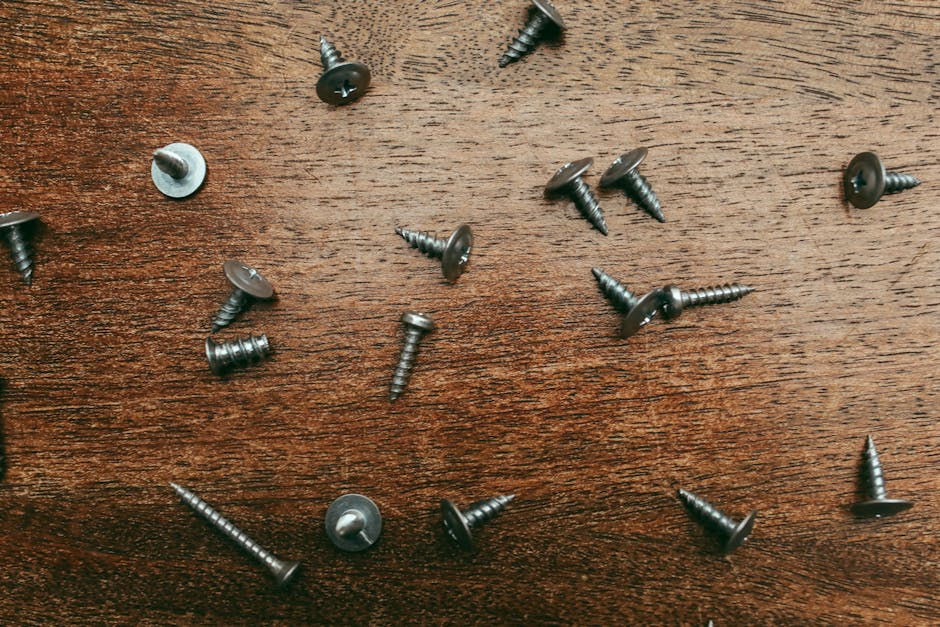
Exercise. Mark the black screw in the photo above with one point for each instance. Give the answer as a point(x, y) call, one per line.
point(459, 524)
point(248, 285)
point(567, 181)
point(624, 172)
point(622, 298)
point(342, 81)
point(733, 533)
point(543, 16)
point(12, 225)
point(878, 503)
point(417, 325)
point(230, 354)
point(865, 180)
point(454, 252)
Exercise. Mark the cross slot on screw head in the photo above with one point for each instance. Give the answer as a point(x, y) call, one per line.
point(342, 81)
point(866, 180)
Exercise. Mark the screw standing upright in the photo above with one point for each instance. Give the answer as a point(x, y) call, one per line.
point(568, 181)
point(624, 172)
point(417, 325)
point(178, 170)
point(353, 522)
point(247, 285)
point(342, 81)
point(878, 503)
point(12, 226)
point(544, 17)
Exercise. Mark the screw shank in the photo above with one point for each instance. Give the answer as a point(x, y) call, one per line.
point(329, 56)
point(527, 39)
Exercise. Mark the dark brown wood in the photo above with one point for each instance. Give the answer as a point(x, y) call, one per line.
point(750, 110)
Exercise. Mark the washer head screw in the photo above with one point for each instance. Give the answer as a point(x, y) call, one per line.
point(454, 251)
point(178, 170)
point(342, 81)
point(543, 17)
point(878, 504)
point(417, 325)
point(865, 180)
point(460, 524)
point(670, 301)
point(12, 226)
point(567, 181)
point(353, 522)
point(230, 354)
point(624, 172)
point(733, 533)
point(247, 286)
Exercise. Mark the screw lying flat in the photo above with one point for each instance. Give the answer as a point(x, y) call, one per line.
point(283, 571)
point(642, 313)
point(865, 180)
point(733, 533)
point(544, 15)
point(353, 522)
point(248, 285)
point(230, 354)
point(342, 81)
point(878, 503)
point(12, 225)
point(460, 524)
point(417, 325)
point(676, 300)
point(624, 172)
point(567, 181)
point(621, 298)
point(178, 170)
point(454, 252)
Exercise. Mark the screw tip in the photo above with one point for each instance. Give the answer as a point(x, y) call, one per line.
point(503, 62)
point(393, 396)
point(597, 272)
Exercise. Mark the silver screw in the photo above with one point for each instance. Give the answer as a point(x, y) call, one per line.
point(417, 325)
point(283, 571)
point(865, 180)
point(248, 285)
point(227, 355)
point(622, 298)
point(12, 225)
point(543, 16)
point(670, 301)
point(567, 181)
point(460, 524)
point(342, 81)
point(178, 170)
point(624, 172)
point(454, 252)
point(733, 533)
point(878, 503)
point(353, 522)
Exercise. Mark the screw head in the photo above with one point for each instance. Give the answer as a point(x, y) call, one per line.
point(17, 217)
point(740, 534)
point(550, 11)
point(623, 165)
point(285, 572)
point(640, 315)
point(457, 252)
point(672, 302)
point(567, 174)
point(215, 365)
point(456, 525)
point(878, 508)
point(248, 280)
point(344, 83)
point(864, 180)
point(419, 320)
point(180, 188)
point(367, 513)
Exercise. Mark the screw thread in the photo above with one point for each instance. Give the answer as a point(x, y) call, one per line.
point(897, 182)
point(873, 472)
point(526, 40)
point(643, 195)
point(406, 362)
point(429, 244)
point(707, 514)
point(171, 163)
point(622, 298)
point(20, 252)
point(587, 204)
point(482, 512)
point(237, 353)
point(715, 295)
point(329, 56)
point(237, 302)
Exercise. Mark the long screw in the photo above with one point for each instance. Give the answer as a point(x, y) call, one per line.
point(342, 81)
point(11, 227)
point(247, 286)
point(543, 16)
point(733, 533)
point(417, 325)
point(878, 503)
point(621, 298)
point(866, 180)
point(460, 524)
point(283, 571)
point(676, 300)
point(453, 251)
point(568, 181)
point(230, 354)
point(625, 173)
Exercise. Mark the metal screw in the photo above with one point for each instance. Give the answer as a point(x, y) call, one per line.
point(567, 181)
point(454, 252)
point(676, 300)
point(642, 313)
point(459, 524)
point(248, 286)
point(353, 522)
point(283, 571)
point(178, 170)
point(543, 16)
point(622, 298)
point(733, 533)
point(12, 225)
point(229, 354)
point(416, 326)
point(878, 503)
point(342, 81)
point(624, 173)
point(865, 180)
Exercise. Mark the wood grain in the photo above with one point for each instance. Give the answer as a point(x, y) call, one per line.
point(749, 109)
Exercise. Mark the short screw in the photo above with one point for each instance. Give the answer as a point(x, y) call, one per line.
point(283, 571)
point(733, 533)
point(342, 81)
point(676, 300)
point(865, 180)
point(543, 16)
point(12, 225)
point(416, 326)
point(454, 252)
point(624, 172)
point(568, 181)
point(459, 524)
point(178, 170)
point(353, 522)
point(248, 285)
point(622, 298)
point(227, 355)
point(878, 503)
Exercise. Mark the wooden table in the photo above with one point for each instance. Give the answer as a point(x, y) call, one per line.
point(750, 111)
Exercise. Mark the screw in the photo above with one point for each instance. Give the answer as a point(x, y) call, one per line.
point(622, 298)
point(229, 354)
point(865, 180)
point(459, 524)
point(248, 285)
point(283, 571)
point(178, 170)
point(641, 313)
point(342, 81)
point(11, 227)
point(543, 16)
point(676, 300)
point(733, 533)
point(567, 181)
point(878, 503)
point(353, 522)
point(416, 326)
point(454, 252)
point(624, 173)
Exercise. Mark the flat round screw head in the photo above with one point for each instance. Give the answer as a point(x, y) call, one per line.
point(420, 320)
point(186, 185)
point(17, 217)
point(672, 302)
point(567, 174)
point(864, 180)
point(214, 364)
point(456, 524)
point(880, 508)
point(550, 11)
point(344, 83)
point(353, 522)
point(457, 253)
point(286, 573)
point(248, 280)
point(623, 165)
point(640, 315)
point(740, 534)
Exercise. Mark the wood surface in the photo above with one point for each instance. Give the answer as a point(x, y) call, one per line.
point(750, 110)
